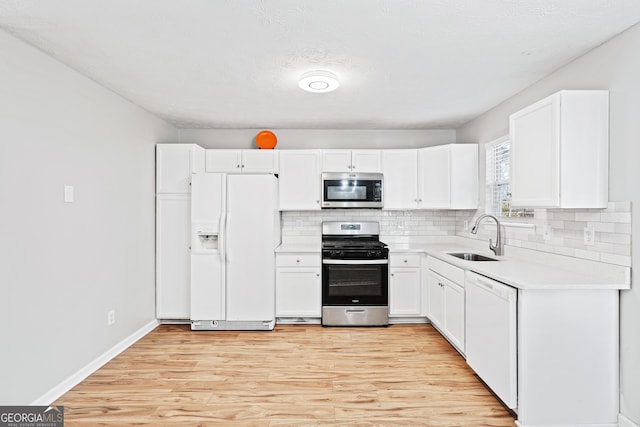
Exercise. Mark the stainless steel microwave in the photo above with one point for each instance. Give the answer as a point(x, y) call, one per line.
point(352, 190)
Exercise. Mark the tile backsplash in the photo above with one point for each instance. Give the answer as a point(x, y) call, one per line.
point(392, 223)
point(561, 231)
point(558, 231)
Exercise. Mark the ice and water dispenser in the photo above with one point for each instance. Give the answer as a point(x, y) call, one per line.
point(205, 238)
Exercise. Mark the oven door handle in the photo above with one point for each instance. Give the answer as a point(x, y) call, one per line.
point(356, 261)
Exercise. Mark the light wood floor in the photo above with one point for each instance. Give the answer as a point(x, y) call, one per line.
point(296, 375)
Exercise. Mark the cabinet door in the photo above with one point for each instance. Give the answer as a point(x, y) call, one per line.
point(404, 292)
point(535, 154)
point(259, 161)
point(336, 161)
point(298, 292)
point(299, 180)
point(435, 299)
point(223, 161)
point(174, 164)
point(366, 161)
point(454, 313)
point(400, 169)
point(173, 257)
point(434, 178)
point(464, 176)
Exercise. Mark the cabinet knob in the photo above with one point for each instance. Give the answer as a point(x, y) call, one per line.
point(353, 166)
point(317, 274)
point(405, 261)
point(237, 166)
point(298, 261)
point(242, 166)
point(392, 274)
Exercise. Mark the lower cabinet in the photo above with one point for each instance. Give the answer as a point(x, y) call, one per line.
point(298, 285)
point(173, 257)
point(445, 306)
point(406, 294)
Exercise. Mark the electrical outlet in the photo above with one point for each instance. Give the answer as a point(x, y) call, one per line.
point(546, 232)
point(111, 317)
point(466, 225)
point(400, 223)
point(589, 236)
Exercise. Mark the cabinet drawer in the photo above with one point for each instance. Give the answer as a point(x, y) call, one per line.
point(446, 270)
point(404, 260)
point(298, 260)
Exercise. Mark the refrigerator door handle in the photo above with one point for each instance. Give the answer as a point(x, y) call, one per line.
point(222, 236)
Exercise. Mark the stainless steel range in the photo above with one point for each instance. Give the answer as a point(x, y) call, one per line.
point(355, 275)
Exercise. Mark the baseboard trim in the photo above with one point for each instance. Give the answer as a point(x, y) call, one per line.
point(626, 422)
point(66, 385)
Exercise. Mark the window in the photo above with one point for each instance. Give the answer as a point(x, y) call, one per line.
point(497, 180)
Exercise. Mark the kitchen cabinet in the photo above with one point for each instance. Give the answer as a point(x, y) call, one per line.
point(241, 161)
point(559, 151)
point(299, 180)
point(440, 177)
point(173, 266)
point(298, 285)
point(405, 286)
point(351, 161)
point(446, 301)
point(448, 177)
point(400, 170)
point(174, 165)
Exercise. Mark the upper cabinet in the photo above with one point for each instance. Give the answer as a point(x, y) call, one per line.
point(560, 151)
point(440, 177)
point(448, 177)
point(400, 171)
point(242, 161)
point(299, 180)
point(174, 165)
point(351, 161)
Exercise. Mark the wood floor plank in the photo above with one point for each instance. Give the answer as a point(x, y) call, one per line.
point(296, 375)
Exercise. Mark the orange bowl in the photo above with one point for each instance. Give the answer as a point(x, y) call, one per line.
point(266, 140)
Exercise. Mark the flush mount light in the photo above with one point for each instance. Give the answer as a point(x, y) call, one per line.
point(318, 81)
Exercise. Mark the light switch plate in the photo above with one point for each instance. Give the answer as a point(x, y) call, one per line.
point(68, 193)
point(546, 232)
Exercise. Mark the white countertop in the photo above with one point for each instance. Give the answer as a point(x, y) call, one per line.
point(546, 271)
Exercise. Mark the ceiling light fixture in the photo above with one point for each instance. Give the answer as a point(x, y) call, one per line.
point(318, 81)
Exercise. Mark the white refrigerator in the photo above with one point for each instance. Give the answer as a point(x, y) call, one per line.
point(234, 232)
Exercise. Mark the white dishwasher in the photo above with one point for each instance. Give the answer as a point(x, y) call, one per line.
point(491, 334)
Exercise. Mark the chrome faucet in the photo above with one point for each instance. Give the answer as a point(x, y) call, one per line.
point(497, 248)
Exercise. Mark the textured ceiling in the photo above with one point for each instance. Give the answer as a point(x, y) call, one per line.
point(421, 64)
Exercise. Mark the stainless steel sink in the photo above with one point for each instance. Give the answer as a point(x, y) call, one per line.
point(468, 256)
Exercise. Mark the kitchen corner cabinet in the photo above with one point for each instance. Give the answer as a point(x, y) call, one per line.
point(445, 301)
point(448, 177)
point(400, 170)
point(241, 161)
point(174, 165)
point(405, 286)
point(298, 285)
point(351, 161)
point(299, 180)
point(559, 151)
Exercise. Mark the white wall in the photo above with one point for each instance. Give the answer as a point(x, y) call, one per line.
point(614, 65)
point(63, 265)
point(321, 138)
